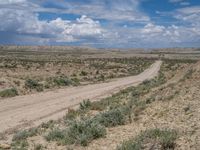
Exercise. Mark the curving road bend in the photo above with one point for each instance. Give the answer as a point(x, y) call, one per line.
point(31, 110)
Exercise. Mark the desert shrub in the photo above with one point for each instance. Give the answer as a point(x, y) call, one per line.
point(62, 81)
point(73, 114)
point(129, 145)
point(9, 93)
point(97, 72)
point(47, 125)
point(145, 82)
point(33, 84)
point(83, 73)
point(85, 105)
point(74, 75)
point(75, 81)
point(112, 101)
point(79, 132)
point(38, 147)
point(97, 105)
point(82, 132)
point(102, 77)
point(150, 99)
point(186, 109)
point(11, 65)
point(23, 135)
point(160, 79)
point(56, 135)
point(111, 118)
point(20, 135)
point(164, 138)
point(40, 88)
point(103, 104)
point(17, 82)
point(146, 85)
point(135, 92)
point(20, 145)
point(188, 74)
point(83, 108)
point(19, 140)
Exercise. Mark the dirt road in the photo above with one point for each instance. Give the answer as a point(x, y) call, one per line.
point(31, 110)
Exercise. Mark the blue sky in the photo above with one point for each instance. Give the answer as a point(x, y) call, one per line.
point(101, 23)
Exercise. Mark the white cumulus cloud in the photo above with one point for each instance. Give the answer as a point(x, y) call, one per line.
point(26, 22)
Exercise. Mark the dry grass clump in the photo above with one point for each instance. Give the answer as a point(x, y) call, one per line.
point(151, 139)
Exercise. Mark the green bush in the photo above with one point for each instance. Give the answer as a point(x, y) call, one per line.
point(86, 104)
point(20, 145)
point(62, 81)
point(19, 140)
point(47, 125)
point(56, 135)
point(135, 92)
point(83, 73)
point(82, 132)
point(75, 81)
point(111, 118)
point(33, 84)
point(98, 105)
point(71, 114)
point(165, 138)
point(23, 135)
point(111, 101)
point(9, 93)
point(79, 132)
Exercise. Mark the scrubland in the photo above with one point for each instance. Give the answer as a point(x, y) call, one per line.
point(161, 113)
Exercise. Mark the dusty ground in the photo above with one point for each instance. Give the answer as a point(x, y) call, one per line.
point(30, 110)
point(180, 113)
point(52, 74)
point(175, 106)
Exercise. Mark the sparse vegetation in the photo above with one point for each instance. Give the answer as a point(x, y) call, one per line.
point(119, 109)
point(9, 93)
point(132, 109)
point(38, 147)
point(188, 74)
point(48, 125)
point(79, 132)
point(19, 141)
point(33, 84)
point(22, 135)
point(151, 139)
point(83, 73)
point(56, 135)
point(62, 81)
point(20, 145)
point(84, 131)
point(86, 104)
point(50, 72)
point(111, 118)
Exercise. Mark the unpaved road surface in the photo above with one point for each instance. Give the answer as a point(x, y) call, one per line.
point(31, 110)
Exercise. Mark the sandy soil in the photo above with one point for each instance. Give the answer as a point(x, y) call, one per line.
point(162, 114)
point(31, 110)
